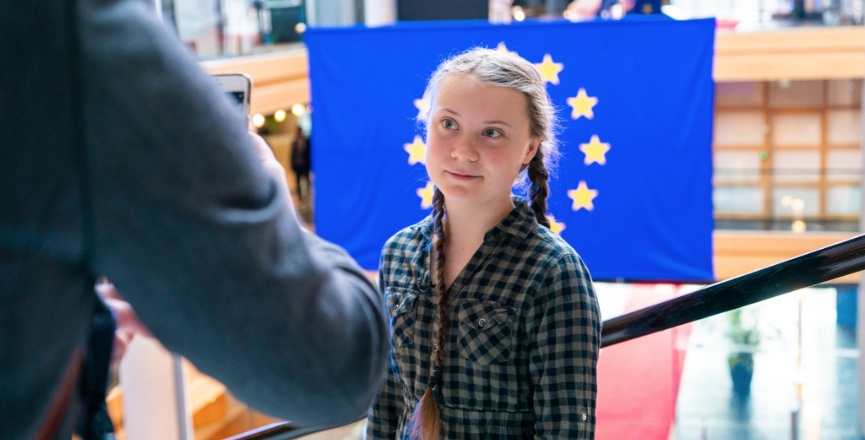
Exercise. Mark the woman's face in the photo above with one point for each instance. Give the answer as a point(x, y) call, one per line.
point(478, 138)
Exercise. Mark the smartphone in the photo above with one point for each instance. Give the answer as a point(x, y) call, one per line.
point(238, 87)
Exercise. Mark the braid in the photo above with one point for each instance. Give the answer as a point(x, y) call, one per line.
point(438, 200)
point(425, 420)
point(539, 191)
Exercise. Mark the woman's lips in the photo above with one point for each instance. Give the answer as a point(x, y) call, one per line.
point(462, 177)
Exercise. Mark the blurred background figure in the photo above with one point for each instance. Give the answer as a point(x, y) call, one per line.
point(300, 162)
point(579, 10)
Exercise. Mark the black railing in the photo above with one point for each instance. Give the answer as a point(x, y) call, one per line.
point(826, 264)
point(278, 431)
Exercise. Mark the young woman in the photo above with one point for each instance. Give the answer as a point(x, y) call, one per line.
point(495, 327)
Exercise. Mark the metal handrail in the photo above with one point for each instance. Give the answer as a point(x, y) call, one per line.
point(280, 431)
point(821, 265)
point(825, 264)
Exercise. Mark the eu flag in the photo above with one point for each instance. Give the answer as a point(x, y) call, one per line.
point(632, 192)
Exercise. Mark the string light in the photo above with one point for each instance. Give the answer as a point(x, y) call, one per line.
point(518, 13)
point(279, 116)
point(258, 120)
point(298, 110)
point(798, 226)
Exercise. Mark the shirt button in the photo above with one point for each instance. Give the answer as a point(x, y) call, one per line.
point(585, 417)
point(482, 322)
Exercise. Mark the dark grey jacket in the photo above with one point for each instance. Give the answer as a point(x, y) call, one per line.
point(119, 157)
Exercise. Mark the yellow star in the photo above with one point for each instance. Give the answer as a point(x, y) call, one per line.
point(595, 151)
point(582, 197)
point(555, 226)
point(416, 151)
point(422, 106)
point(550, 70)
point(582, 104)
point(502, 48)
point(426, 195)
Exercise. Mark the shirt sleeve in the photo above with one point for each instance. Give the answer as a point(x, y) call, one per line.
point(564, 348)
point(203, 242)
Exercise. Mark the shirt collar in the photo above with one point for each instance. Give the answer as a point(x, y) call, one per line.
point(518, 223)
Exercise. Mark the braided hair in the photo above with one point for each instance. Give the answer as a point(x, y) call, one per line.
point(502, 69)
point(426, 421)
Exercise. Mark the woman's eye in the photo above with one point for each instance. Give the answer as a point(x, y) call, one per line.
point(492, 132)
point(449, 124)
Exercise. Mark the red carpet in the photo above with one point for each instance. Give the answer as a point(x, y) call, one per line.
point(638, 380)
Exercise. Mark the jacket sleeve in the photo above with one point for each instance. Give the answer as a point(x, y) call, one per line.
point(202, 241)
point(565, 343)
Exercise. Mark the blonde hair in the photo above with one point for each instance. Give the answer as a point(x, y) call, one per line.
point(502, 69)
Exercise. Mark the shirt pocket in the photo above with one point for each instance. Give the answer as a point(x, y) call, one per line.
point(401, 304)
point(486, 332)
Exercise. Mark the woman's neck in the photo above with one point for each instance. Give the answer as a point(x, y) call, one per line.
point(465, 227)
point(468, 223)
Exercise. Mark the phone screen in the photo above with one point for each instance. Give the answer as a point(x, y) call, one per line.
point(238, 99)
point(237, 86)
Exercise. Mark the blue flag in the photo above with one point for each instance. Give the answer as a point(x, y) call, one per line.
point(632, 192)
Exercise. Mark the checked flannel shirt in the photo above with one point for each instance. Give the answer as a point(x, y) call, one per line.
point(523, 338)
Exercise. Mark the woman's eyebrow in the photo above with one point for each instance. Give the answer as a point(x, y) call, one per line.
point(497, 121)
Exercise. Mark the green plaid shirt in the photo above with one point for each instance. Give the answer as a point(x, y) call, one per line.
point(523, 338)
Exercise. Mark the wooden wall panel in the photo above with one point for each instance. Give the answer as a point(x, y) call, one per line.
point(740, 252)
point(799, 53)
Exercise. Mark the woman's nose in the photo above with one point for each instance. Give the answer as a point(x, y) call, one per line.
point(463, 149)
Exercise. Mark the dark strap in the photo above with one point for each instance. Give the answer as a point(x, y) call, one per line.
point(93, 420)
point(51, 427)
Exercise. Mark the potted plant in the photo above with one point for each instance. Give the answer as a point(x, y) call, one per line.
point(745, 337)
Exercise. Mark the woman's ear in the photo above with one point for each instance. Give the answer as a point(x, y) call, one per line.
point(534, 144)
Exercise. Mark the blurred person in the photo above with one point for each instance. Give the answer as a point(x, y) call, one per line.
point(301, 162)
point(121, 158)
point(578, 10)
